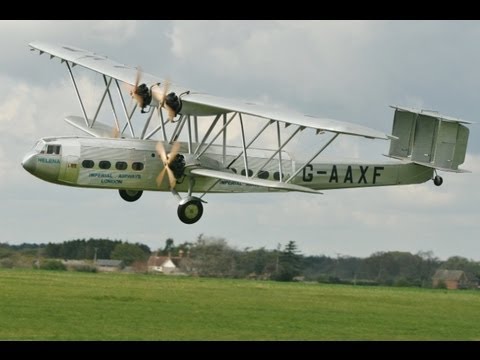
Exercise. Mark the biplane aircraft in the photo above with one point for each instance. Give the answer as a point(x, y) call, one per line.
point(127, 157)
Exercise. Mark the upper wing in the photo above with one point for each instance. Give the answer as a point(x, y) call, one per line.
point(199, 100)
point(251, 181)
point(195, 103)
point(93, 61)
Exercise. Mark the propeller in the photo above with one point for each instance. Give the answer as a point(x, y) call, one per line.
point(134, 89)
point(167, 161)
point(161, 97)
point(143, 96)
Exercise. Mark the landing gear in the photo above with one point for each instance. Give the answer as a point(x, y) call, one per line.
point(190, 210)
point(438, 180)
point(130, 195)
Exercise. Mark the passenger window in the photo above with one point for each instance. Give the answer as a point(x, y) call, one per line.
point(88, 164)
point(137, 166)
point(250, 172)
point(121, 165)
point(233, 170)
point(104, 164)
point(262, 174)
point(53, 149)
point(276, 175)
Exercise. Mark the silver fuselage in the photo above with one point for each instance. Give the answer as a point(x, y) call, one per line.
point(132, 164)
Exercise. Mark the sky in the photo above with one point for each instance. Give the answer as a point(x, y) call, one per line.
point(346, 70)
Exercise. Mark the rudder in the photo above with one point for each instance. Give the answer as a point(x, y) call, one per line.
point(429, 138)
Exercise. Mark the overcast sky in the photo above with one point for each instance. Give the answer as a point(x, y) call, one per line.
point(347, 70)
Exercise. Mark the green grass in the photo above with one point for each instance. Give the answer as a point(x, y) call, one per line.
point(48, 305)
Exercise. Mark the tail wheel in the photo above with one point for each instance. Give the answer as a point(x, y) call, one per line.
point(190, 210)
point(438, 180)
point(130, 195)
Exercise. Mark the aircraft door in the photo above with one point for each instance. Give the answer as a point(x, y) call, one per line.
point(70, 170)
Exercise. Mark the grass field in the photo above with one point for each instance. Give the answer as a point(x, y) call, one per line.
point(47, 305)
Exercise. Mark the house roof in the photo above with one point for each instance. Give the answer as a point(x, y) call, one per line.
point(448, 275)
point(107, 262)
point(160, 260)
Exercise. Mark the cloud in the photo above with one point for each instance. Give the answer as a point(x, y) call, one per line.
point(114, 31)
point(347, 70)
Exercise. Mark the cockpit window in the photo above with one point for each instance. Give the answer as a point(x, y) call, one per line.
point(53, 149)
point(40, 147)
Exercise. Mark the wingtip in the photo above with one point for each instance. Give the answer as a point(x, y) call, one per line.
point(34, 44)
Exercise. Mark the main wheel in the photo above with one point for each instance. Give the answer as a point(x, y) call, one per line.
point(190, 210)
point(130, 195)
point(438, 180)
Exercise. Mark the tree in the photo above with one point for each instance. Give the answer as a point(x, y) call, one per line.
point(260, 261)
point(53, 250)
point(129, 253)
point(169, 247)
point(212, 257)
point(289, 263)
point(183, 249)
point(427, 267)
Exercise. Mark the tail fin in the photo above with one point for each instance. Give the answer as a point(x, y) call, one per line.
point(429, 138)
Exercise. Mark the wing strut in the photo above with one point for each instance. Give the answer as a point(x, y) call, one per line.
point(115, 117)
point(189, 128)
point(269, 122)
point(218, 134)
point(161, 126)
point(122, 100)
point(300, 128)
point(245, 159)
point(145, 127)
point(195, 128)
point(280, 165)
point(78, 94)
point(251, 142)
point(312, 158)
point(178, 128)
point(207, 134)
point(224, 140)
point(101, 101)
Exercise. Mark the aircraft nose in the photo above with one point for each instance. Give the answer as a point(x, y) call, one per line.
point(29, 163)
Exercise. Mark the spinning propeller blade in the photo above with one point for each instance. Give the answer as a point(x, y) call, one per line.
point(133, 90)
point(161, 96)
point(167, 161)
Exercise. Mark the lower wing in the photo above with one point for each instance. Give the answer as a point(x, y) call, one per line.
point(221, 175)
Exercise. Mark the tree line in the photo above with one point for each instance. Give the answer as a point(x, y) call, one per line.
point(214, 257)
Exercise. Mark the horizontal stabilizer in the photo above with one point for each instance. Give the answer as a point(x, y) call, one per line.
point(428, 138)
point(251, 181)
point(98, 130)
